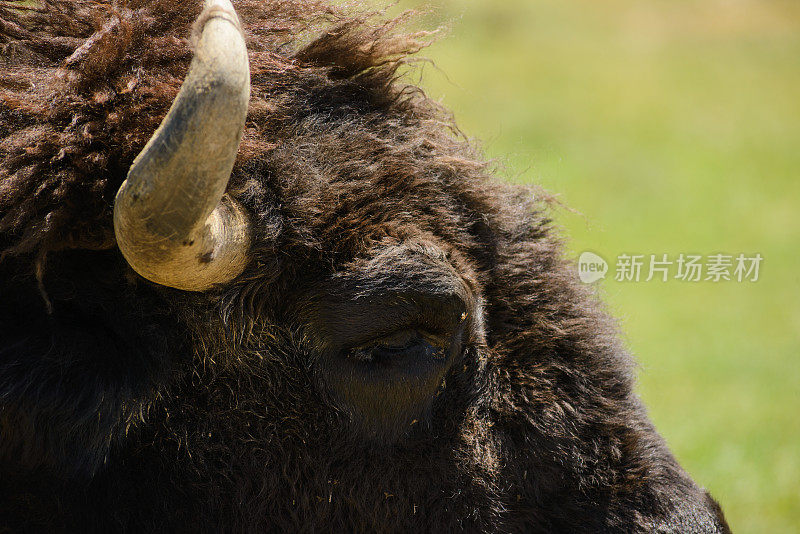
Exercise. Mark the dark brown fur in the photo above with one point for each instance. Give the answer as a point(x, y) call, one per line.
point(126, 406)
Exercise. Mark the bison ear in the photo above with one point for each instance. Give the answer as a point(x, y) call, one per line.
point(172, 219)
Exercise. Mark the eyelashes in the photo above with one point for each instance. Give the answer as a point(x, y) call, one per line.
point(398, 344)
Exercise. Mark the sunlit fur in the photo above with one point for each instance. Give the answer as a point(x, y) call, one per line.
point(125, 406)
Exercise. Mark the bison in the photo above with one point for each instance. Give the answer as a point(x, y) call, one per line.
point(253, 281)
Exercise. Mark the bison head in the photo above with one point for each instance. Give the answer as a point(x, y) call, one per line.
point(272, 288)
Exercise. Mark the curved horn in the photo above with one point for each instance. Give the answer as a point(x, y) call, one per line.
point(173, 221)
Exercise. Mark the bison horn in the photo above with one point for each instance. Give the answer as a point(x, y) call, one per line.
point(173, 221)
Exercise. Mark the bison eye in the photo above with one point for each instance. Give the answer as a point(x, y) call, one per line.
point(391, 380)
point(406, 343)
point(385, 331)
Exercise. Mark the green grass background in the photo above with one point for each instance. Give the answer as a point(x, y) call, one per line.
point(673, 126)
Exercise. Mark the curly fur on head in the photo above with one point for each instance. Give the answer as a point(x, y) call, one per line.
point(84, 84)
point(129, 406)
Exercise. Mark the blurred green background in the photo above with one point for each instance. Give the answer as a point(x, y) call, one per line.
point(672, 126)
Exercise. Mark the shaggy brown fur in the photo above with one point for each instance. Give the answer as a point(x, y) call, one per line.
point(126, 406)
